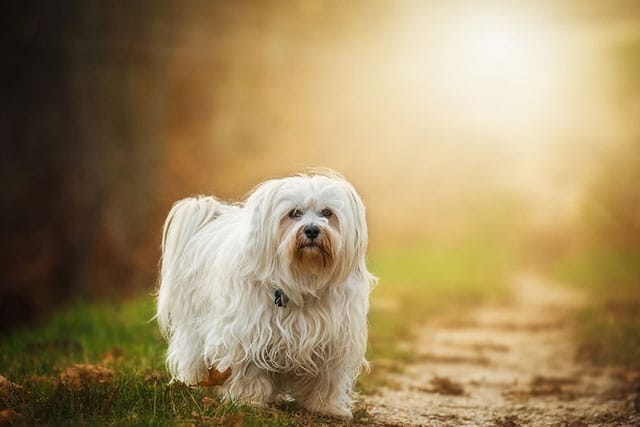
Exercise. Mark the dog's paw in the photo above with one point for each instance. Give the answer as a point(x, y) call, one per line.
point(338, 411)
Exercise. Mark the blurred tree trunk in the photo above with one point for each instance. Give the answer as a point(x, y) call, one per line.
point(82, 107)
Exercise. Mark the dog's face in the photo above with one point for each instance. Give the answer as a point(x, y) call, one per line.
point(308, 230)
point(310, 237)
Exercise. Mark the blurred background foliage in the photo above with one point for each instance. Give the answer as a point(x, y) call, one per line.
point(527, 153)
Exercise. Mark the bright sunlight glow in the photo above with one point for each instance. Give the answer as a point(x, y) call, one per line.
point(496, 46)
point(497, 70)
point(496, 67)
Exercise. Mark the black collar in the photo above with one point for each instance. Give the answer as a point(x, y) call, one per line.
point(280, 298)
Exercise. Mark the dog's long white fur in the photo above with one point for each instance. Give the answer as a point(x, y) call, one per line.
point(220, 267)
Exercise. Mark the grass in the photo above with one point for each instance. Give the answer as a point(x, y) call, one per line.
point(119, 337)
point(608, 326)
point(415, 284)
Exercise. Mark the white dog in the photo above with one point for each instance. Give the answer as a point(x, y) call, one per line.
point(275, 289)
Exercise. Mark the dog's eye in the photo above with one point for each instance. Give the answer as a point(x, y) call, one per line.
point(326, 213)
point(296, 213)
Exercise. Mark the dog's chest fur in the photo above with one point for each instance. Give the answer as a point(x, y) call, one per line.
point(297, 339)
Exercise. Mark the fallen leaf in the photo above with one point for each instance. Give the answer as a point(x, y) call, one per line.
point(9, 389)
point(79, 376)
point(215, 377)
point(9, 416)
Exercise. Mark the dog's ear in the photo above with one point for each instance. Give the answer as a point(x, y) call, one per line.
point(356, 237)
point(360, 237)
point(262, 218)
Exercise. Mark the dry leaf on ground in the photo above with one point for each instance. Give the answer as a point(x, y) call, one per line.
point(9, 389)
point(79, 376)
point(9, 416)
point(215, 377)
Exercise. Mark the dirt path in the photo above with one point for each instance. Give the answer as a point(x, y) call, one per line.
point(507, 365)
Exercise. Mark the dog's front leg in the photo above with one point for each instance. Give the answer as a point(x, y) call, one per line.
point(327, 393)
point(249, 384)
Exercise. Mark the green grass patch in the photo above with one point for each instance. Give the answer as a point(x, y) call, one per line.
point(121, 338)
point(608, 326)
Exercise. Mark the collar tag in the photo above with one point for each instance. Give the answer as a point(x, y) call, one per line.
point(280, 298)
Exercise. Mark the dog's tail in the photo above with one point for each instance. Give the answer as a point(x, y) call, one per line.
point(186, 218)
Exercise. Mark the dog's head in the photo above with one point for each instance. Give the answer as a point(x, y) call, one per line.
point(307, 231)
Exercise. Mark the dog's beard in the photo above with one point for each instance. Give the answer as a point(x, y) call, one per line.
point(313, 261)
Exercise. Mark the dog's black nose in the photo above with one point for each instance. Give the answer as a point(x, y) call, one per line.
point(311, 231)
